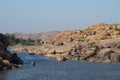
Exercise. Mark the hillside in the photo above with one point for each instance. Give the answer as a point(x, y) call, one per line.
point(93, 34)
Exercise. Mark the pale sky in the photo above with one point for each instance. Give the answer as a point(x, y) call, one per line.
point(31, 16)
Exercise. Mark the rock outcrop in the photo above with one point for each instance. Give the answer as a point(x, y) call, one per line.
point(97, 43)
point(7, 60)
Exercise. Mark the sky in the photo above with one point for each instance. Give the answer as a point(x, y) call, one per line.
point(30, 16)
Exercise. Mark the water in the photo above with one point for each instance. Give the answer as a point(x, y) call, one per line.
point(49, 69)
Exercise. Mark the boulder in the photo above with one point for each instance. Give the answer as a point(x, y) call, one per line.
point(73, 53)
point(6, 62)
point(105, 53)
point(12, 58)
point(90, 53)
point(60, 58)
point(14, 66)
point(70, 39)
point(33, 63)
point(51, 51)
point(115, 57)
point(31, 53)
point(59, 43)
point(15, 59)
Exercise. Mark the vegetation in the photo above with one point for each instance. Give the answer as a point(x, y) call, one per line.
point(20, 41)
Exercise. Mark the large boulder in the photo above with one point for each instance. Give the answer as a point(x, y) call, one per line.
point(13, 58)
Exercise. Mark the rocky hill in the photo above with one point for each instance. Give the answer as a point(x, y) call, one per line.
point(97, 43)
point(93, 34)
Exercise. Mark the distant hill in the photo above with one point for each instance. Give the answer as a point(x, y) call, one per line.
point(44, 35)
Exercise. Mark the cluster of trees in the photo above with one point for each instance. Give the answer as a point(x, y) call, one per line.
point(13, 40)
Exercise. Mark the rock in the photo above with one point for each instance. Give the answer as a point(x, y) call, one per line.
point(118, 46)
point(75, 57)
point(92, 39)
point(51, 51)
point(90, 53)
point(74, 49)
point(13, 58)
point(105, 53)
point(88, 33)
point(61, 58)
point(25, 50)
point(32, 53)
point(73, 53)
point(19, 66)
point(91, 59)
point(79, 47)
point(33, 63)
point(59, 43)
point(107, 61)
point(50, 55)
point(115, 57)
point(6, 62)
point(70, 39)
point(14, 66)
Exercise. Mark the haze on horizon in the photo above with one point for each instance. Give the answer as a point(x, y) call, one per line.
point(31, 16)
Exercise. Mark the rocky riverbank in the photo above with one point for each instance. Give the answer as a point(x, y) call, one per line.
point(104, 52)
point(7, 60)
point(97, 43)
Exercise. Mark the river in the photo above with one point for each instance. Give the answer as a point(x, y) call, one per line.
point(49, 69)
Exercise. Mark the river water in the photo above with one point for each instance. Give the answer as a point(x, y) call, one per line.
point(49, 69)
